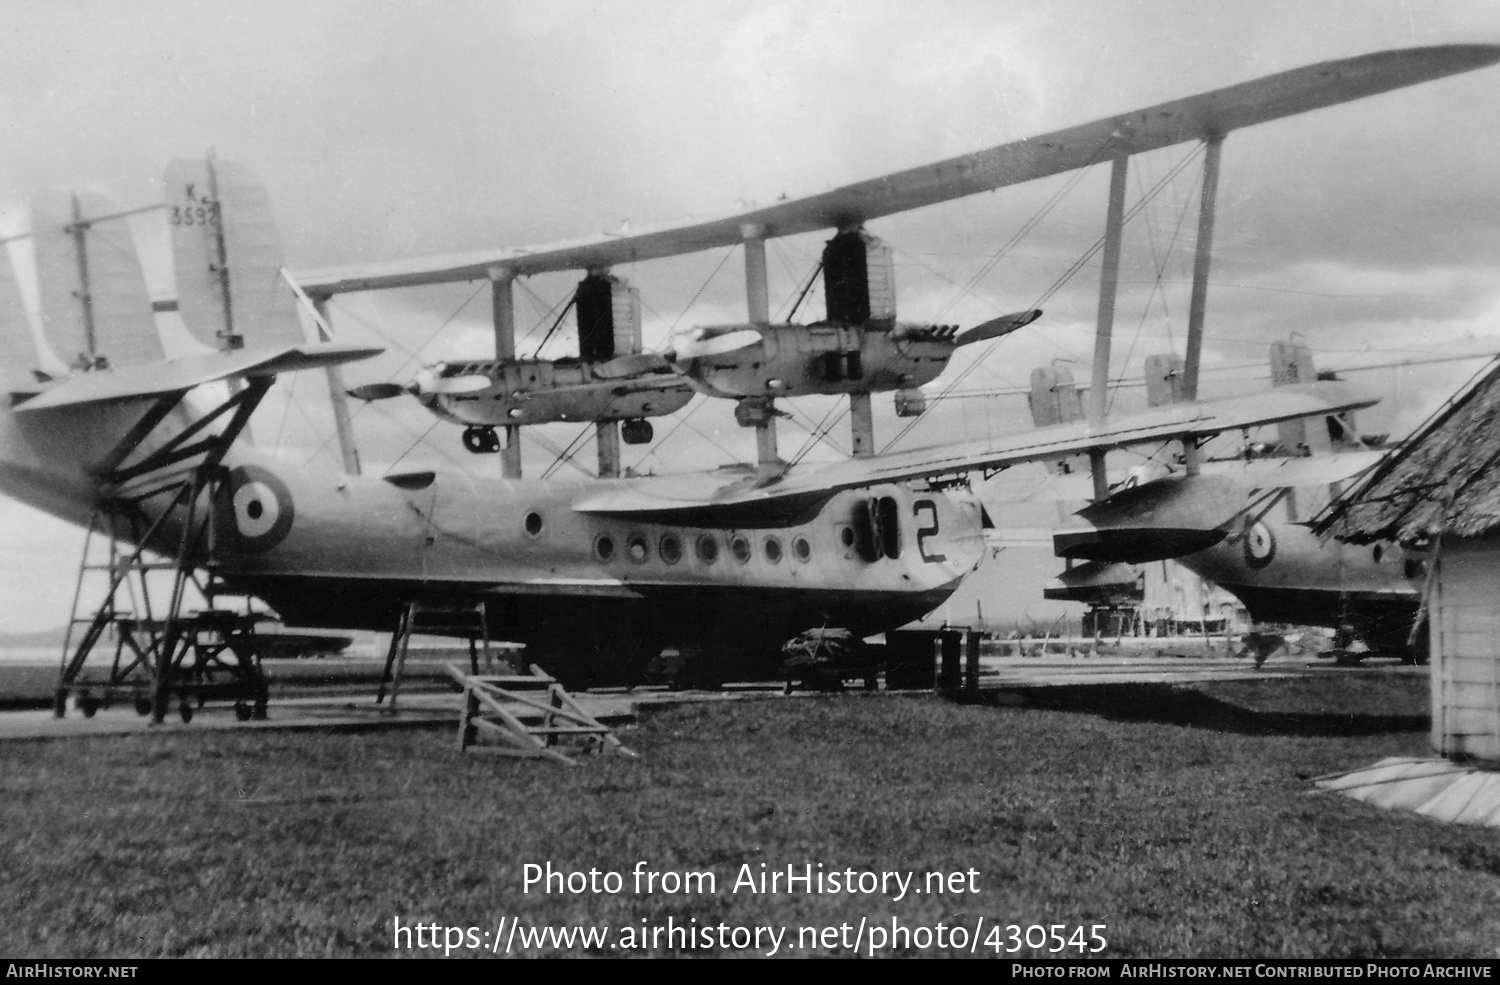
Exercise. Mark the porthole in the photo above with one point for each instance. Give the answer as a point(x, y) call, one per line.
point(708, 549)
point(669, 548)
point(739, 546)
point(604, 547)
point(848, 539)
point(533, 524)
point(801, 549)
point(773, 550)
point(638, 549)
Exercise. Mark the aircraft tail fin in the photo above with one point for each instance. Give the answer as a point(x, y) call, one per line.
point(1054, 397)
point(227, 255)
point(20, 360)
point(1292, 362)
point(1164, 379)
point(95, 309)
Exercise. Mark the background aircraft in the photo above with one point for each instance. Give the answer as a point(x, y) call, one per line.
point(1244, 524)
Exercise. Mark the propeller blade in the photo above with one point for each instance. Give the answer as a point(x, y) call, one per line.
point(997, 327)
point(376, 391)
point(630, 365)
point(454, 385)
point(717, 345)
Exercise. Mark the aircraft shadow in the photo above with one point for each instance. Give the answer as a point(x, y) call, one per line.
point(1169, 704)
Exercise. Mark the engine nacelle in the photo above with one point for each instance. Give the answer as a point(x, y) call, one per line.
point(859, 280)
point(792, 360)
point(541, 391)
point(609, 318)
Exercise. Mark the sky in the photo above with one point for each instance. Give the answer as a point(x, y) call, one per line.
point(403, 128)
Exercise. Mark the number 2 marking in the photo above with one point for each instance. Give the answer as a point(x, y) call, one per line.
point(931, 557)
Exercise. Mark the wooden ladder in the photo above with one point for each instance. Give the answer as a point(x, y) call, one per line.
point(528, 717)
point(461, 620)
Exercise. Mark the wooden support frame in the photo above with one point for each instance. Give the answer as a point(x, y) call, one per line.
point(503, 709)
point(470, 620)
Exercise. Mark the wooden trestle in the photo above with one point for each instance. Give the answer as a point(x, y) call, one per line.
point(529, 717)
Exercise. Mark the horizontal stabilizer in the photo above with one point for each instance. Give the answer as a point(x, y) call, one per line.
point(176, 375)
point(792, 491)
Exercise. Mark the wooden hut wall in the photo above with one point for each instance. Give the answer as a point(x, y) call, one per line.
point(1465, 654)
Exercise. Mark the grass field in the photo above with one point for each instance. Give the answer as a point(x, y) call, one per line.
point(1183, 820)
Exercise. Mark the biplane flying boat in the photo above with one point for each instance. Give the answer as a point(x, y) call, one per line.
point(594, 577)
point(1243, 522)
point(1248, 522)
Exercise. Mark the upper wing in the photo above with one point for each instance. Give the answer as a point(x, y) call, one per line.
point(1210, 114)
point(745, 499)
point(171, 376)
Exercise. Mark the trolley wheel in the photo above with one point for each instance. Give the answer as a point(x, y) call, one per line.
point(185, 709)
point(88, 706)
point(871, 683)
point(142, 705)
point(242, 711)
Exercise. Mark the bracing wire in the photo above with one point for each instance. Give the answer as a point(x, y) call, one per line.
point(409, 448)
point(411, 355)
point(566, 456)
point(1157, 290)
point(1052, 289)
point(834, 416)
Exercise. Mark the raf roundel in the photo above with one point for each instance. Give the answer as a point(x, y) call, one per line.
point(260, 507)
point(1260, 545)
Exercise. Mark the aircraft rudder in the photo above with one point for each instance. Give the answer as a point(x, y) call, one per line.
point(96, 311)
point(227, 255)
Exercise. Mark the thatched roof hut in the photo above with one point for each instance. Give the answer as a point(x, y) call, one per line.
point(1445, 478)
